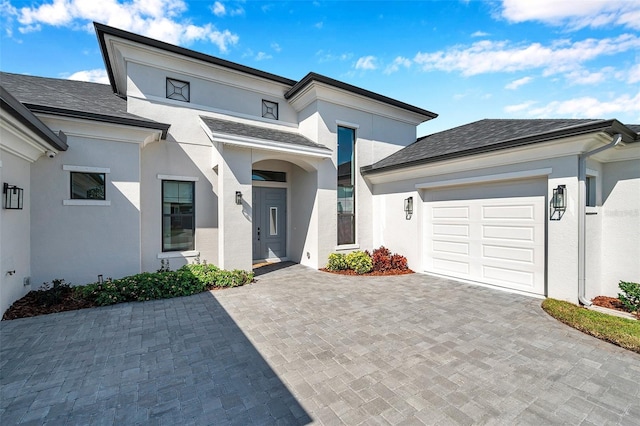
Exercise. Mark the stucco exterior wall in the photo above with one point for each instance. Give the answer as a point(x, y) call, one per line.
point(620, 224)
point(15, 244)
point(79, 242)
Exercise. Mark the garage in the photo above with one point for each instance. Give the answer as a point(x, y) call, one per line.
point(490, 234)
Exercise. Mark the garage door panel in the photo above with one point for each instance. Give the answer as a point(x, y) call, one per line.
point(497, 241)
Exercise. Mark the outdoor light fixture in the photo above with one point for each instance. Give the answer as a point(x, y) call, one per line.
point(559, 201)
point(408, 207)
point(13, 196)
point(238, 197)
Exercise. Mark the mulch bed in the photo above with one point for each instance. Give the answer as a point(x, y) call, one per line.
point(372, 273)
point(31, 306)
point(609, 302)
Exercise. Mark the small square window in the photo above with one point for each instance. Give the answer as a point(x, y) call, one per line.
point(87, 186)
point(591, 191)
point(270, 109)
point(178, 90)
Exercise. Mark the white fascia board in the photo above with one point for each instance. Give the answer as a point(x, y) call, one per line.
point(174, 177)
point(525, 174)
point(505, 157)
point(91, 129)
point(323, 92)
point(255, 143)
point(85, 169)
point(24, 144)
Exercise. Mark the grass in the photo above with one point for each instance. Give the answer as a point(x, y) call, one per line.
point(619, 331)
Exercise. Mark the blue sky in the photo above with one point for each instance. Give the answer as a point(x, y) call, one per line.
point(465, 60)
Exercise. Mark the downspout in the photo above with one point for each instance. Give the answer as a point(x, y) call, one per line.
point(582, 219)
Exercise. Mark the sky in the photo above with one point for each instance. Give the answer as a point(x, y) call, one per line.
point(464, 60)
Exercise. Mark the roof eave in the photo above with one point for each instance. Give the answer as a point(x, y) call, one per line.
point(26, 117)
point(145, 124)
point(610, 127)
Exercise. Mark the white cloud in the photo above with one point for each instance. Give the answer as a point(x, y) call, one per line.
point(276, 47)
point(218, 9)
point(398, 62)
point(479, 34)
point(366, 63)
point(582, 76)
point(261, 56)
point(519, 82)
point(583, 107)
point(324, 56)
point(634, 74)
point(503, 56)
point(159, 19)
point(574, 14)
point(95, 76)
point(319, 25)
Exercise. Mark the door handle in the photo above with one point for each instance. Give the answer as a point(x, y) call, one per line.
point(258, 233)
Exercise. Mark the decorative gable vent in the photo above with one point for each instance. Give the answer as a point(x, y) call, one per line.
point(178, 90)
point(270, 109)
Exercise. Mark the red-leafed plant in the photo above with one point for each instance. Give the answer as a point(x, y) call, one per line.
point(399, 262)
point(381, 258)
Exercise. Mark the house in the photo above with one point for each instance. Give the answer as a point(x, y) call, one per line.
point(185, 156)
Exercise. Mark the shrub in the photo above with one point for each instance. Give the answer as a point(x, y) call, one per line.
point(52, 294)
point(337, 262)
point(399, 262)
point(630, 296)
point(359, 261)
point(381, 259)
point(188, 280)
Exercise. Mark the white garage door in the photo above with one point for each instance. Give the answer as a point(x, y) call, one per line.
point(496, 241)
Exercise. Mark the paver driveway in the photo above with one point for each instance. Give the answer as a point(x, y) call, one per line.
point(303, 346)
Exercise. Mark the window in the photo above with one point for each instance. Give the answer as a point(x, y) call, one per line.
point(178, 215)
point(178, 90)
point(87, 186)
point(346, 186)
point(591, 191)
point(270, 109)
point(268, 176)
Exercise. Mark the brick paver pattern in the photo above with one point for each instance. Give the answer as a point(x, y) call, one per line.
point(301, 346)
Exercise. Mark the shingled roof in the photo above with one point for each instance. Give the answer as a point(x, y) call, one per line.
point(72, 98)
point(258, 132)
point(492, 135)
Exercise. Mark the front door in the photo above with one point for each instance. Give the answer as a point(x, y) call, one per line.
point(269, 223)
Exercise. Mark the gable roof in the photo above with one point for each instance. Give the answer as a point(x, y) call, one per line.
point(492, 135)
point(70, 98)
point(13, 107)
point(104, 30)
point(235, 128)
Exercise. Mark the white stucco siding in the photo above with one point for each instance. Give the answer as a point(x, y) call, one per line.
point(219, 90)
point(620, 225)
point(15, 244)
point(79, 242)
point(178, 161)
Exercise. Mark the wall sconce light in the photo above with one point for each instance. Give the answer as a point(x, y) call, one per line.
point(408, 207)
point(13, 197)
point(558, 204)
point(238, 197)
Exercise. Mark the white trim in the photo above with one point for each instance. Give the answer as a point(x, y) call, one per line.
point(173, 177)
point(174, 254)
point(347, 247)
point(347, 124)
point(101, 203)
point(255, 143)
point(486, 178)
point(86, 169)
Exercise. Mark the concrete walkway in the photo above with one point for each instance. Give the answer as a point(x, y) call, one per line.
point(301, 346)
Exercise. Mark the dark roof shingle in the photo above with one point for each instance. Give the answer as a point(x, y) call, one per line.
point(258, 132)
point(485, 136)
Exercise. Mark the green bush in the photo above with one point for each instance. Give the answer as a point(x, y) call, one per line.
point(359, 261)
point(188, 280)
point(337, 262)
point(630, 296)
point(52, 294)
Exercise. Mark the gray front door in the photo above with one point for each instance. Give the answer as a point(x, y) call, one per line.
point(269, 223)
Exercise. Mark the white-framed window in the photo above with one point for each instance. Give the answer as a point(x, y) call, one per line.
point(178, 215)
point(87, 186)
point(346, 177)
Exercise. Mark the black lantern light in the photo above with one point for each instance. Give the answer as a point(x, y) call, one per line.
point(13, 197)
point(408, 207)
point(238, 197)
point(559, 201)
